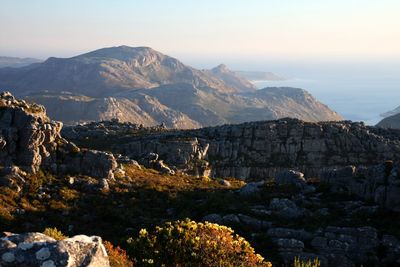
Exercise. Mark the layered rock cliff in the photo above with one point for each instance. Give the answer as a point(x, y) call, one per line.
point(30, 140)
point(258, 150)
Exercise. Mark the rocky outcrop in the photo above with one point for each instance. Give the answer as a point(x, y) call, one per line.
point(258, 150)
point(380, 183)
point(36, 249)
point(30, 140)
point(333, 246)
point(285, 208)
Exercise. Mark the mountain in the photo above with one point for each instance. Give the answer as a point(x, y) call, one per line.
point(107, 71)
point(141, 85)
point(211, 108)
point(391, 112)
point(143, 109)
point(392, 122)
point(260, 76)
point(232, 78)
point(16, 62)
point(391, 119)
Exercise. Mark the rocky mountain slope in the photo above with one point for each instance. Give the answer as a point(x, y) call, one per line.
point(231, 78)
point(144, 86)
point(107, 71)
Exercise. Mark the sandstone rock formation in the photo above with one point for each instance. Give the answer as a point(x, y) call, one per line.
point(380, 183)
point(30, 140)
point(259, 150)
point(36, 249)
point(333, 246)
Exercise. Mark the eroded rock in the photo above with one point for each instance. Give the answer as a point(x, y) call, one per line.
point(30, 140)
point(36, 249)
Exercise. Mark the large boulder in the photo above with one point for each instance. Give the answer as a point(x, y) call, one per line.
point(251, 188)
point(28, 137)
point(36, 249)
point(30, 140)
point(293, 178)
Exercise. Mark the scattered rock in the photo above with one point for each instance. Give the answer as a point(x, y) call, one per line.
point(214, 218)
point(285, 208)
point(251, 188)
point(290, 233)
point(231, 219)
point(290, 177)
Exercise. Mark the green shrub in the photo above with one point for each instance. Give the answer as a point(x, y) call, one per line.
point(54, 233)
point(187, 243)
point(299, 263)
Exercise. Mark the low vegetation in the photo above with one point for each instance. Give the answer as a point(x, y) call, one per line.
point(117, 256)
point(54, 233)
point(187, 243)
point(145, 199)
point(310, 263)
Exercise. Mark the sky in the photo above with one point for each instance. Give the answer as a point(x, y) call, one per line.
point(221, 29)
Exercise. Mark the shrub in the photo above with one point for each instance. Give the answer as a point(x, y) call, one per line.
point(54, 233)
point(117, 256)
point(187, 243)
point(299, 263)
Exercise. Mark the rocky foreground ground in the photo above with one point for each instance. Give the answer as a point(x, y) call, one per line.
point(287, 186)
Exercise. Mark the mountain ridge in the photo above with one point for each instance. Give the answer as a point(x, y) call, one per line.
point(141, 85)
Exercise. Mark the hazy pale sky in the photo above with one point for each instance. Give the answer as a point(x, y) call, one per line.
point(204, 28)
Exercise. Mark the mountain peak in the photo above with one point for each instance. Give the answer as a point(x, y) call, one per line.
point(221, 68)
point(123, 52)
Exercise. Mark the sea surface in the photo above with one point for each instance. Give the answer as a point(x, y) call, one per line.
point(359, 92)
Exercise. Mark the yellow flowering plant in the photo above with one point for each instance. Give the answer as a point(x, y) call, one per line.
point(188, 243)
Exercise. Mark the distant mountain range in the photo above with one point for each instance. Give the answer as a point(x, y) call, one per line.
point(141, 85)
point(391, 112)
point(16, 62)
point(260, 76)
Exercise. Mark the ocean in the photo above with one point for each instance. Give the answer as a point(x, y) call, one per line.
point(359, 92)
